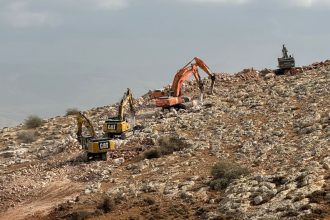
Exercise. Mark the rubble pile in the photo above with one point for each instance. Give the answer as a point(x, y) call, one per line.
point(276, 126)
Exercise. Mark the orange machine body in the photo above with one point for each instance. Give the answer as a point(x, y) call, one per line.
point(174, 97)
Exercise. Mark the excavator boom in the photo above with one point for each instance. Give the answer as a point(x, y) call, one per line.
point(127, 99)
point(200, 63)
point(82, 119)
point(182, 76)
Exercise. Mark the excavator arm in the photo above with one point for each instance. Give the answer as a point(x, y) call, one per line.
point(190, 68)
point(127, 99)
point(83, 120)
point(187, 70)
point(181, 76)
point(200, 63)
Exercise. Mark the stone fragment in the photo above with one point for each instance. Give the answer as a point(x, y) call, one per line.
point(258, 200)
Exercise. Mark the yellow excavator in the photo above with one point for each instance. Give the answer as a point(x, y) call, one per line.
point(95, 147)
point(118, 126)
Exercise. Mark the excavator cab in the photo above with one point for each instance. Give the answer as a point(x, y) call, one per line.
point(171, 101)
point(286, 62)
point(97, 148)
point(96, 145)
point(157, 93)
point(83, 140)
point(115, 127)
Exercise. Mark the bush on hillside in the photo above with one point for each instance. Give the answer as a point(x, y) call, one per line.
point(225, 172)
point(26, 136)
point(71, 111)
point(80, 215)
point(107, 205)
point(169, 144)
point(152, 153)
point(33, 121)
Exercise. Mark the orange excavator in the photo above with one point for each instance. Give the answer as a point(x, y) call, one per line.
point(173, 97)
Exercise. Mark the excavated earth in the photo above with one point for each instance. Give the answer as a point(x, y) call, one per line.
point(277, 126)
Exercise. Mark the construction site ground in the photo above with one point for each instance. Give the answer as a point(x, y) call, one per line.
point(276, 126)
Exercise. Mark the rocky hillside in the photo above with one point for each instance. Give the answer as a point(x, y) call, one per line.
point(274, 128)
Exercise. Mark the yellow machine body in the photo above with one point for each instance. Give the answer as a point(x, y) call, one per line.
point(97, 145)
point(118, 126)
point(114, 127)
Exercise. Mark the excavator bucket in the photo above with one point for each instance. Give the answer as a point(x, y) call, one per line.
point(212, 83)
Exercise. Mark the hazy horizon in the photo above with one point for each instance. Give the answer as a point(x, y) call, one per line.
point(84, 54)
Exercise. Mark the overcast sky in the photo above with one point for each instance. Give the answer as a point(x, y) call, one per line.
point(85, 53)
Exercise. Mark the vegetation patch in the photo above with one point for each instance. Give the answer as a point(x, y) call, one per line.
point(71, 111)
point(169, 144)
point(225, 172)
point(80, 215)
point(149, 201)
point(317, 196)
point(300, 180)
point(107, 205)
point(27, 136)
point(152, 153)
point(33, 121)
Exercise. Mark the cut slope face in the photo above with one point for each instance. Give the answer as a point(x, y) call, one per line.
point(49, 197)
point(276, 126)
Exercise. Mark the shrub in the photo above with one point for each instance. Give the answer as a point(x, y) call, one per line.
point(169, 144)
point(80, 215)
point(133, 218)
point(219, 184)
point(33, 121)
point(152, 153)
point(107, 205)
point(224, 173)
point(26, 136)
point(71, 111)
point(149, 201)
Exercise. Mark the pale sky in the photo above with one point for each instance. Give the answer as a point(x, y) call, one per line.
point(85, 53)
